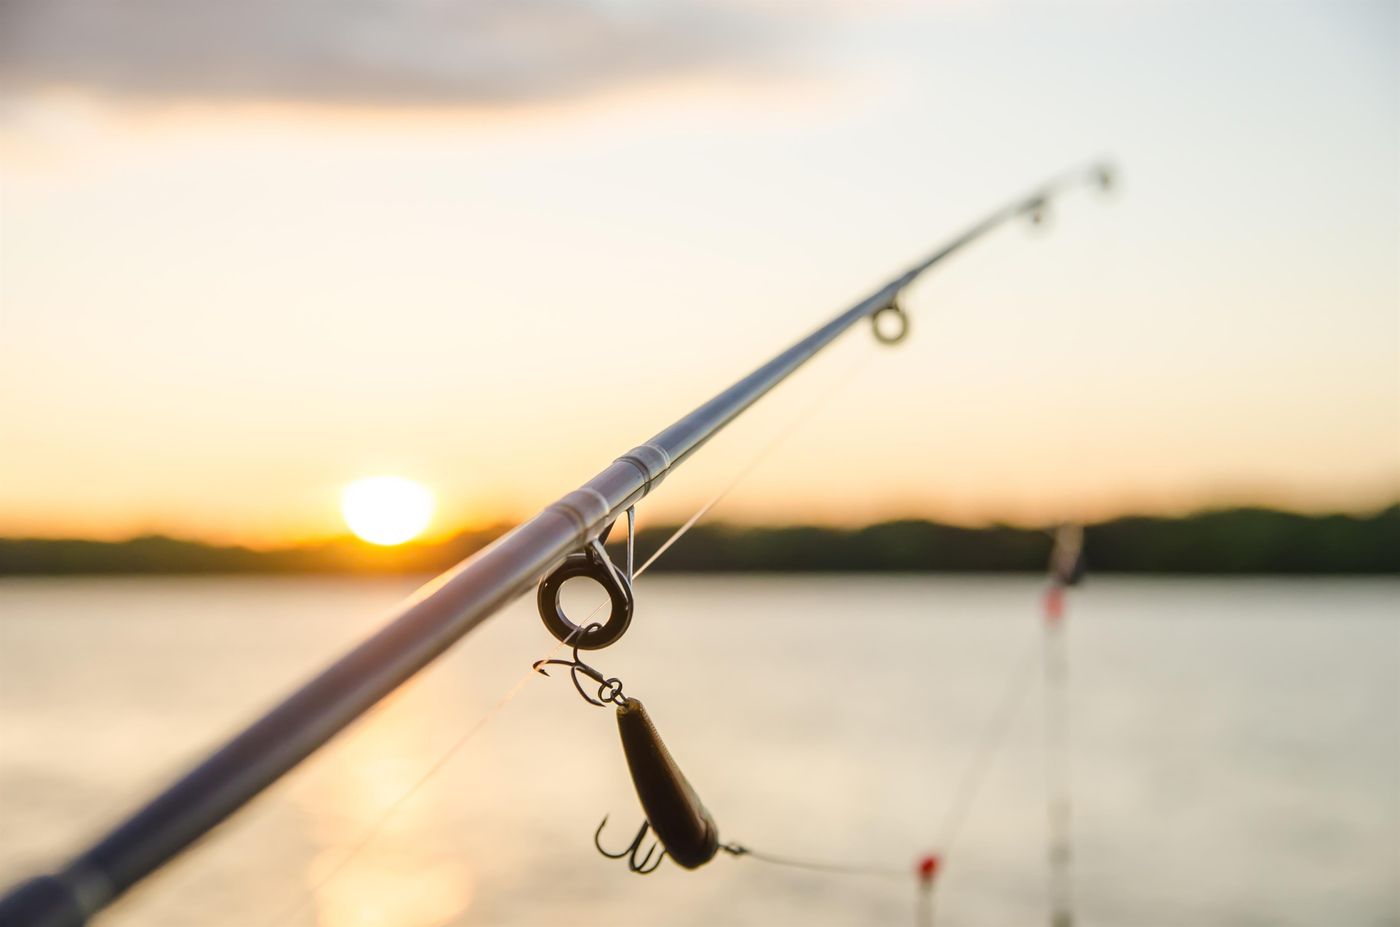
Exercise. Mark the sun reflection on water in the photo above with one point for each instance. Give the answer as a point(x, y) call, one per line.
point(403, 877)
point(391, 889)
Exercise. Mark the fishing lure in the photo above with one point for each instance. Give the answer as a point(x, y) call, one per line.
point(683, 825)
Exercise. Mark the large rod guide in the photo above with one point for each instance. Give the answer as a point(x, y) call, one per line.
point(429, 622)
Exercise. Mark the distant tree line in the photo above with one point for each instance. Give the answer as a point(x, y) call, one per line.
point(1234, 541)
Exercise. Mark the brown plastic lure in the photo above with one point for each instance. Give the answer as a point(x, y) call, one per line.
point(682, 824)
point(674, 812)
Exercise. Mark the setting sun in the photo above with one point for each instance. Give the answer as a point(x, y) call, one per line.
point(386, 509)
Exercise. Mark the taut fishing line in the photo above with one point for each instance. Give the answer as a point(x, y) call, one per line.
point(999, 724)
point(901, 872)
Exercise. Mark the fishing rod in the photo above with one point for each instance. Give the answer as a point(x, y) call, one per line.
point(563, 540)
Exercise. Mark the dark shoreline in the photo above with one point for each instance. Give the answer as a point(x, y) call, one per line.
point(1247, 541)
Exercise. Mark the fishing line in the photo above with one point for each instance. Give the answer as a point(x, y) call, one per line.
point(736, 849)
point(783, 434)
point(999, 725)
point(1046, 648)
point(388, 813)
point(1049, 650)
point(437, 765)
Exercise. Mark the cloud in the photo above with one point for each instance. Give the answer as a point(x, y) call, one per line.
point(435, 52)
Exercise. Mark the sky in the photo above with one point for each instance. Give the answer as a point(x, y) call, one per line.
point(252, 252)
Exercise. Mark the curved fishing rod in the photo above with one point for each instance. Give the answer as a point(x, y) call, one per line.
point(437, 616)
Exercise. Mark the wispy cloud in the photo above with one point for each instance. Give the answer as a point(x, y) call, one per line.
point(449, 52)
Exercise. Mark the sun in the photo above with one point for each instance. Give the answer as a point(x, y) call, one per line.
point(386, 510)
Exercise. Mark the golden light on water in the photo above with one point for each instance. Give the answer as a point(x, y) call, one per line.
point(386, 510)
point(405, 875)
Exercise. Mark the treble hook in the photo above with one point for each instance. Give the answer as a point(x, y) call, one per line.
point(609, 687)
point(641, 868)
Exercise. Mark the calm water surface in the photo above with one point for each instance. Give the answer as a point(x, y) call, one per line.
point(1236, 751)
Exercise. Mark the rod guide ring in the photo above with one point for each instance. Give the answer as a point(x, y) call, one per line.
point(884, 336)
point(593, 564)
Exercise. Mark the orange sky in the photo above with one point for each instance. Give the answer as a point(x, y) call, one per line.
point(215, 313)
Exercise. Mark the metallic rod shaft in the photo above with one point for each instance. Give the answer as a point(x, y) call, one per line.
point(433, 619)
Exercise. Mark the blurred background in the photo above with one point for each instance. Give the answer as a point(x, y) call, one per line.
point(326, 289)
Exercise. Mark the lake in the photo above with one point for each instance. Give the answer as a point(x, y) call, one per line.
point(1235, 751)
